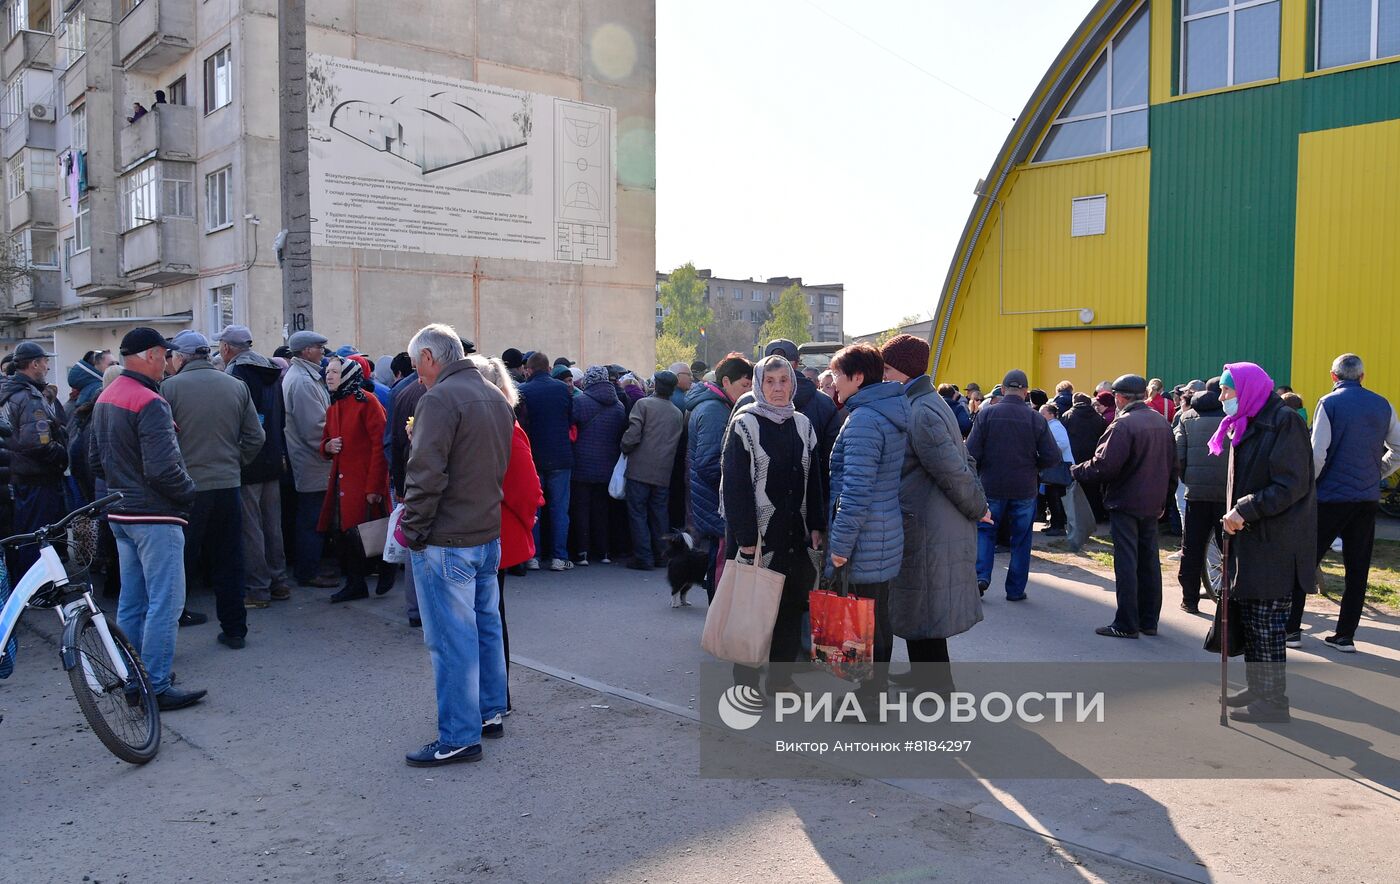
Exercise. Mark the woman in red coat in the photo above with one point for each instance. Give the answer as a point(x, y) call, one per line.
point(359, 486)
point(521, 499)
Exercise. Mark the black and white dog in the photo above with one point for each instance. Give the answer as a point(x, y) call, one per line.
point(686, 567)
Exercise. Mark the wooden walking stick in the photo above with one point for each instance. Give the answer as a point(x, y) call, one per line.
point(1225, 538)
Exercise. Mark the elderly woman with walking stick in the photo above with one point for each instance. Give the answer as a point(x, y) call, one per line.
point(1272, 528)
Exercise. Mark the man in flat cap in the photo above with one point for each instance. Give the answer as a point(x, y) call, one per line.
point(305, 401)
point(219, 435)
point(1136, 462)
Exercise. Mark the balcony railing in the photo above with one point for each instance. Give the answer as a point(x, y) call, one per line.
point(94, 274)
point(155, 33)
point(34, 207)
point(39, 291)
point(167, 131)
point(161, 252)
point(27, 49)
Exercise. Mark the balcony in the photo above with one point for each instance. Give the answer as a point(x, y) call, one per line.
point(26, 130)
point(94, 274)
point(76, 81)
point(40, 291)
point(167, 131)
point(161, 252)
point(155, 33)
point(34, 207)
point(27, 49)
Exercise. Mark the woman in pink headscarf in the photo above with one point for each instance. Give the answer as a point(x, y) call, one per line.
point(1272, 523)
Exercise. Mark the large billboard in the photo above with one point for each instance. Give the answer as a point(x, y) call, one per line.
point(408, 161)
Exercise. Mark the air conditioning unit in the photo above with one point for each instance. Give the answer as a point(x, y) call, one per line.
point(41, 112)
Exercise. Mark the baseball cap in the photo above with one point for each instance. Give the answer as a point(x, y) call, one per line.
point(513, 358)
point(236, 334)
point(141, 339)
point(29, 350)
point(189, 343)
point(781, 347)
point(1015, 380)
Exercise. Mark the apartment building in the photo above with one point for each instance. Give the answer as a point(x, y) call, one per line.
point(750, 300)
point(166, 213)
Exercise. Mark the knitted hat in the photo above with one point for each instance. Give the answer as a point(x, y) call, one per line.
point(906, 354)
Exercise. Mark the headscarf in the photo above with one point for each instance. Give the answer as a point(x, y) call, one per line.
point(352, 379)
point(595, 374)
point(775, 413)
point(384, 370)
point(1253, 386)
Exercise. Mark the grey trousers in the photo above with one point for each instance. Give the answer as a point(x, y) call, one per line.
point(264, 558)
point(1081, 517)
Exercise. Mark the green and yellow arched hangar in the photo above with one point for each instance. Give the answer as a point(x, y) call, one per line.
point(1193, 182)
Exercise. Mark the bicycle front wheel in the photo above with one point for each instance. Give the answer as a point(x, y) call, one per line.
point(124, 714)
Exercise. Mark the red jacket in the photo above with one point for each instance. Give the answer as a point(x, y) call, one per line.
point(1163, 406)
point(522, 499)
point(359, 469)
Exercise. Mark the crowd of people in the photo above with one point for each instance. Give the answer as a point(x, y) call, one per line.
point(266, 476)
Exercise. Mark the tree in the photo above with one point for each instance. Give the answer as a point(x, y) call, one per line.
point(727, 336)
point(683, 296)
point(671, 349)
point(889, 333)
point(789, 318)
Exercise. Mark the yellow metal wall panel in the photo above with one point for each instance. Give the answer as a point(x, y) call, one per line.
point(1164, 28)
point(1293, 40)
point(1346, 294)
point(1046, 270)
point(1097, 354)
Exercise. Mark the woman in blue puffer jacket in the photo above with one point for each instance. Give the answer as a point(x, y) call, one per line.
point(600, 419)
point(867, 525)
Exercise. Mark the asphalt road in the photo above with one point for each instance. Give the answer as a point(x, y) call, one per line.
point(292, 769)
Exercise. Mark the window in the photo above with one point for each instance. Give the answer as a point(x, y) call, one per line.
point(831, 302)
point(73, 43)
point(140, 197)
point(12, 108)
point(1228, 42)
point(68, 249)
point(218, 79)
point(78, 126)
point(220, 309)
point(16, 18)
point(218, 199)
point(1351, 31)
point(1108, 111)
point(82, 233)
point(35, 248)
point(1088, 215)
point(738, 294)
point(755, 295)
point(175, 93)
point(31, 169)
point(128, 5)
point(660, 312)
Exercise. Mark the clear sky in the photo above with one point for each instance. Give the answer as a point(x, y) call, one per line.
point(787, 145)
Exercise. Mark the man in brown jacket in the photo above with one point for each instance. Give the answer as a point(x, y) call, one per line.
point(1136, 462)
point(452, 522)
point(653, 432)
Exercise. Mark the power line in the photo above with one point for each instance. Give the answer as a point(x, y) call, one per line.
point(913, 64)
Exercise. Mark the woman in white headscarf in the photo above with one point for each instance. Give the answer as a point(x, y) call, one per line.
point(772, 492)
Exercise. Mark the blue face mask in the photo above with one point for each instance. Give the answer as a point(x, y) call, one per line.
point(1231, 406)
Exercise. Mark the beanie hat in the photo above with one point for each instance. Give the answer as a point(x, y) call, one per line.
point(906, 354)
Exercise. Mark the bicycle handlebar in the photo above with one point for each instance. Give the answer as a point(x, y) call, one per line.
point(45, 532)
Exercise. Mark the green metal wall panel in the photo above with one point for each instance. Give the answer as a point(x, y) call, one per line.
point(1223, 210)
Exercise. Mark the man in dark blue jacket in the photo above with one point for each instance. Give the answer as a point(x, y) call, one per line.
point(549, 402)
point(710, 408)
point(1011, 443)
point(1356, 443)
point(38, 449)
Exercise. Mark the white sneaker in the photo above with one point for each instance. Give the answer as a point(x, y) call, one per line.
point(532, 565)
point(582, 562)
point(561, 565)
point(605, 561)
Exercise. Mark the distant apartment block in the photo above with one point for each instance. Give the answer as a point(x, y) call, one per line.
point(751, 301)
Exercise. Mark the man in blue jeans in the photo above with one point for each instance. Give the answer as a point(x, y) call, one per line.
point(452, 523)
point(1011, 443)
point(549, 403)
point(135, 452)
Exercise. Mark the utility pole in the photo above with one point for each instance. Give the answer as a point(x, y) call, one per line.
point(296, 174)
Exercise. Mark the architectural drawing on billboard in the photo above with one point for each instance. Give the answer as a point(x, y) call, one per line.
point(436, 133)
point(409, 161)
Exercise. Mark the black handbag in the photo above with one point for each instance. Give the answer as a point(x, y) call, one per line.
point(1057, 475)
point(1236, 631)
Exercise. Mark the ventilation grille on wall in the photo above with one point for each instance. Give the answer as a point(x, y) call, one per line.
point(1088, 215)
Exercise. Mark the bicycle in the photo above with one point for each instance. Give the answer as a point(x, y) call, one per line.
point(106, 674)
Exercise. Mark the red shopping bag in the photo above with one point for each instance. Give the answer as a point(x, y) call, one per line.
point(843, 632)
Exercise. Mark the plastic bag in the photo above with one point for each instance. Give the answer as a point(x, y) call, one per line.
point(394, 552)
point(617, 485)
